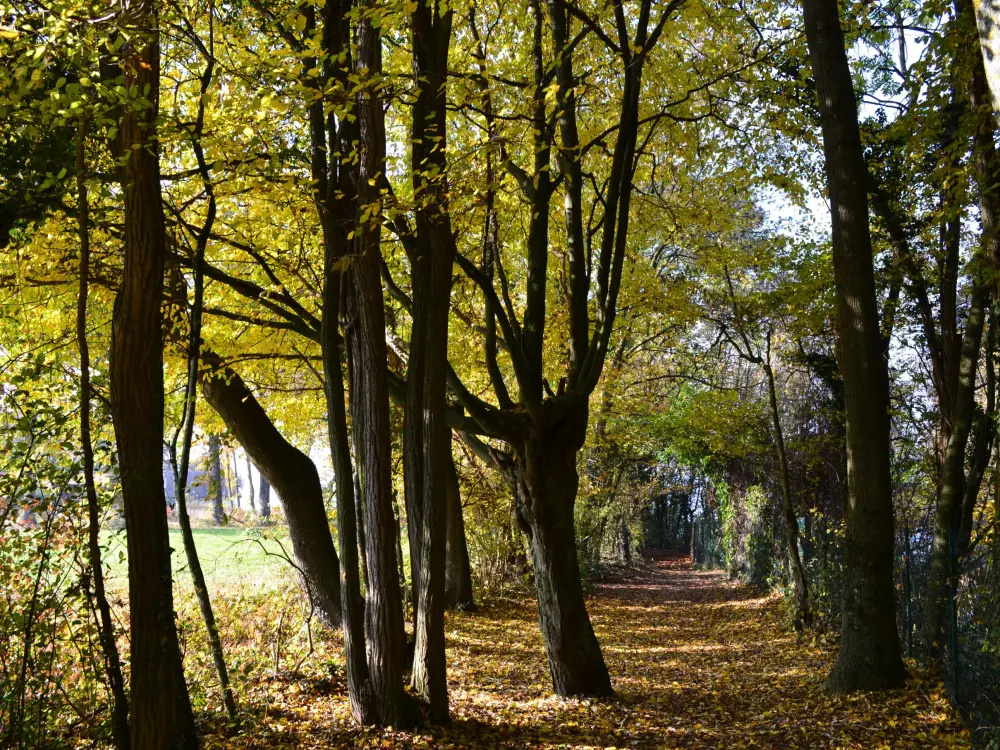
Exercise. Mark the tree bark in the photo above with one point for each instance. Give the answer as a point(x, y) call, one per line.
point(161, 709)
point(869, 655)
point(458, 572)
point(335, 198)
point(105, 623)
point(292, 473)
point(545, 483)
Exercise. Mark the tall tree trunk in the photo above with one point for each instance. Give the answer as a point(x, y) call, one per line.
point(797, 572)
point(869, 655)
point(427, 436)
point(161, 709)
point(105, 624)
point(370, 404)
point(292, 473)
point(545, 485)
point(215, 480)
point(352, 604)
point(458, 573)
point(336, 201)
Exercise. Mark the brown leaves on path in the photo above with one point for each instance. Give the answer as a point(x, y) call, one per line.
point(697, 662)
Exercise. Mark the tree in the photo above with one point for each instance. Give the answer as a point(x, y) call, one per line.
point(105, 628)
point(959, 490)
point(868, 657)
point(427, 436)
point(161, 708)
point(545, 429)
point(291, 472)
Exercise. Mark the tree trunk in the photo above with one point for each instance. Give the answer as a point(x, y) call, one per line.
point(796, 571)
point(265, 498)
point(105, 623)
point(427, 436)
point(215, 480)
point(942, 581)
point(352, 604)
point(370, 406)
point(545, 486)
point(458, 573)
point(233, 467)
point(869, 649)
point(293, 475)
point(161, 709)
point(335, 194)
point(988, 23)
point(982, 446)
point(253, 500)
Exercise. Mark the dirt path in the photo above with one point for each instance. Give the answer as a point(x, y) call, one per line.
point(697, 662)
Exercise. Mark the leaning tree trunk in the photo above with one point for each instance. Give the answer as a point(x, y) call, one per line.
point(293, 475)
point(869, 655)
point(458, 573)
point(161, 709)
point(545, 485)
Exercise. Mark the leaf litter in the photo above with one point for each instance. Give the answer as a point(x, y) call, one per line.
point(697, 661)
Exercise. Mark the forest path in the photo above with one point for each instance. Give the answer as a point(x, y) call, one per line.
point(697, 661)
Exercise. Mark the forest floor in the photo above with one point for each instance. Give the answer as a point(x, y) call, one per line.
point(697, 661)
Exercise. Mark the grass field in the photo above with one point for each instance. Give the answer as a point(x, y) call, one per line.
point(228, 556)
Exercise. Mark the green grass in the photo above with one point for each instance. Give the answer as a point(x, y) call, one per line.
point(228, 556)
